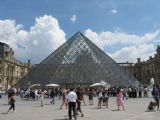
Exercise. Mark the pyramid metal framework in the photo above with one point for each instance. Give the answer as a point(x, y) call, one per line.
point(78, 61)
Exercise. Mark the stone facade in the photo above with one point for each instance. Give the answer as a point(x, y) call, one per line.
point(11, 70)
point(145, 70)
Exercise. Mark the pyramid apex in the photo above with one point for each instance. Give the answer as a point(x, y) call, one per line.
point(76, 36)
point(78, 33)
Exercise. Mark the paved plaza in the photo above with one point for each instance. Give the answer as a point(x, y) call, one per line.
point(136, 109)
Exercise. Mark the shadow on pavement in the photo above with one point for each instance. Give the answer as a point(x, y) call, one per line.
point(115, 110)
point(4, 113)
point(97, 108)
point(36, 106)
point(61, 119)
point(3, 104)
point(48, 104)
point(150, 111)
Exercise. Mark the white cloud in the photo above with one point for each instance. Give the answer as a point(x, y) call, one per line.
point(131, 53)
point(46, 35)
point(113, 11)
point(73, 18)
point(112, 38)
point(8, 31)
point(135, 46)
point(37, 43)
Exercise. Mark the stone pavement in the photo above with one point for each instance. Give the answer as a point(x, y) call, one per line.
point(29, 110)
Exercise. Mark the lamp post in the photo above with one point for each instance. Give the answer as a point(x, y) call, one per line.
point(158, 78)
point(0, 80)
point(152, 83)
point(0, 86)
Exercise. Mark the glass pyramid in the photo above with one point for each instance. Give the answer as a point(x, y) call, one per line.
point(78, 62)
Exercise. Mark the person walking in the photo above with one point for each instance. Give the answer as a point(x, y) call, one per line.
point(100, 98)
point(64, 101)
point(42, 96)
point(155, 94)
point(52, 94)
point(12, 103)
point(105, 94)
point(71, 98)
point(119, 99)
point(90, 96)
point(79, 93)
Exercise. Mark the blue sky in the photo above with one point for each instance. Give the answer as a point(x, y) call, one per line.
point(124, 29)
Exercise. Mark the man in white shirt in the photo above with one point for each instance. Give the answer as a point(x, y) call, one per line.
point(71, 97)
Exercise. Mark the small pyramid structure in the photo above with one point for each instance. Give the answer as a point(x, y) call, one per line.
point(78, 61)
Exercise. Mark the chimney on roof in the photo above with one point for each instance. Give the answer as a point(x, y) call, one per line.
point(150, 57)
point(138, 60)
point(155, 55)
point(29, 63)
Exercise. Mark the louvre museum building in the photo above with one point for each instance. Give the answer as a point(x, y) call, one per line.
point(145, 70)
point(11, 69)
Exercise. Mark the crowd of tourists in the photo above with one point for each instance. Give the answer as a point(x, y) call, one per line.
point(72, 98)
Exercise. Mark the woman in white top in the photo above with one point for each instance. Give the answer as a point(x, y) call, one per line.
point(100, 98)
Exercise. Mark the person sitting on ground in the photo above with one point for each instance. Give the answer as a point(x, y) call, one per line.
point(152, 105)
